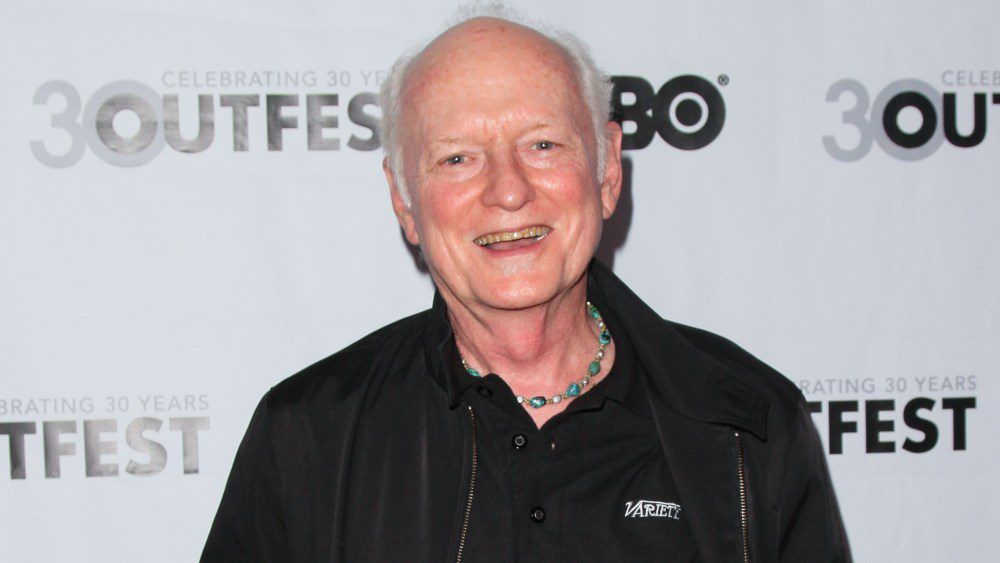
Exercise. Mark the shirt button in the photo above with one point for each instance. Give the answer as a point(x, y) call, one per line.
point(485, 392)
point(519, 441)
point(537, 514)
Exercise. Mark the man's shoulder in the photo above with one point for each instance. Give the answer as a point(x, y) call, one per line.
point(344, 374)
point(763, 379)
point(704, 375)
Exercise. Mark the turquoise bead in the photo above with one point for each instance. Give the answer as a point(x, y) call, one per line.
point(594, 367)
point(573, 390)
point(537, 402)
point(594, 313)
point(605, 338)
point(474, 373)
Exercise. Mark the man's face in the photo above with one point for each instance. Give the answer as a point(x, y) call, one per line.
point(500, 163)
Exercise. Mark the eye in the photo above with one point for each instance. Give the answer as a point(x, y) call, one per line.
point(544, 145)
point(455, 159)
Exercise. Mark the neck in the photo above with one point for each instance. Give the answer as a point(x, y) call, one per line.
point(538, 350)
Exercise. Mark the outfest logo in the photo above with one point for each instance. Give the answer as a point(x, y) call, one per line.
point(878, 415)
point(138, 435)
point(910, 119)
point(92, 125)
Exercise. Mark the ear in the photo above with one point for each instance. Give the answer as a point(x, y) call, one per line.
point(404, 213)
point(611, 184)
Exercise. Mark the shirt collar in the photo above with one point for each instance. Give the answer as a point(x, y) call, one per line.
point(441, 354)
point(621, 381)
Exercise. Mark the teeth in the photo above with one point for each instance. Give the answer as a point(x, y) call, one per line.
point(529, 232)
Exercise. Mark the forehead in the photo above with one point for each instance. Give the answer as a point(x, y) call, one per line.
point(489, 70)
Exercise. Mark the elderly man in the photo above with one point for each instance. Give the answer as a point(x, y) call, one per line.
point(540, 411)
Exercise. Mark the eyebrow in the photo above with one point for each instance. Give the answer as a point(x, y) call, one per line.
point(448, 140)
point(458, 140)
point(538, 125)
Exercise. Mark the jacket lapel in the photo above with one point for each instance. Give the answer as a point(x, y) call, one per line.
point(697, 401)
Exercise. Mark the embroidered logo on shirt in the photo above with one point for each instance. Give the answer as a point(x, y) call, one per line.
point(652, 509)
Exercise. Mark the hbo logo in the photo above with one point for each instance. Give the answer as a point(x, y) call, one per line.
point(688, 111)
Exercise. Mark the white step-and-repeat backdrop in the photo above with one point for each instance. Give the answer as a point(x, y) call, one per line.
point(192, 208)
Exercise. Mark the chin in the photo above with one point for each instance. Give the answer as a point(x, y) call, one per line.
point(521, 292)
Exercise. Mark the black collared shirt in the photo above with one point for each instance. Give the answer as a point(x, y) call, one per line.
point(593, 484)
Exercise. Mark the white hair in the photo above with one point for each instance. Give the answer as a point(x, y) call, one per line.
point(594, 86)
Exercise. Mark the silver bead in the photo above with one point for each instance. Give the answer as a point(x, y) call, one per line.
point(556, 399)
point(520, 400)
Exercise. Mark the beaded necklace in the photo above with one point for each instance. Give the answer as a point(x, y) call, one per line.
point(577, 387)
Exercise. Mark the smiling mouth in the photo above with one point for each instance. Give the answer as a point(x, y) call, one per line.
point(536, 232)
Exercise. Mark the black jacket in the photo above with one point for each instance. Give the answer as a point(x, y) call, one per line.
point(368, 454)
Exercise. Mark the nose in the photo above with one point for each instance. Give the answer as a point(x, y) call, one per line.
point(507, 186)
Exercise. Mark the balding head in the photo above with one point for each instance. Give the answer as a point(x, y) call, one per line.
point(494, 43)
point(488, 42)
point(485, 42)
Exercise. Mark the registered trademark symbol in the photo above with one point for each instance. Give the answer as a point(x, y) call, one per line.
point(723, 79)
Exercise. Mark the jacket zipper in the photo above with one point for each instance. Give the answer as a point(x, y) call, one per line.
point(472, 485)
point(744, 514)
